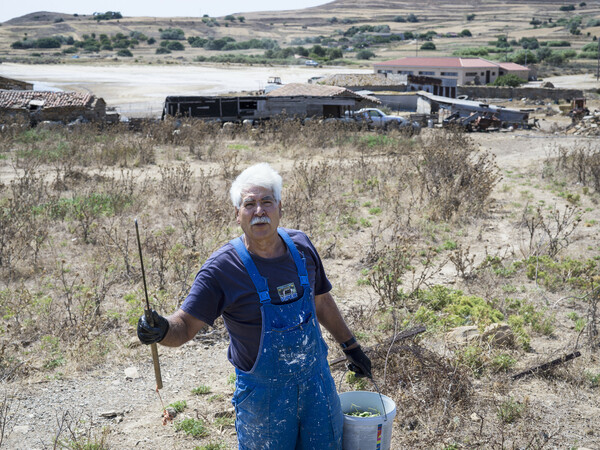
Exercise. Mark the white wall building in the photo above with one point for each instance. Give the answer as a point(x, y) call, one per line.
point(463, 70)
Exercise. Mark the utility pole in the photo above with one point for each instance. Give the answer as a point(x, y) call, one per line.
point(598, 66)
point(416, 44)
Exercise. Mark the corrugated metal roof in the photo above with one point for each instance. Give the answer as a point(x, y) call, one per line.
point(438, 61)
point(22, 99)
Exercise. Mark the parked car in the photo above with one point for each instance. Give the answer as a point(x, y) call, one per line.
point(311, 62)
point(375, 118)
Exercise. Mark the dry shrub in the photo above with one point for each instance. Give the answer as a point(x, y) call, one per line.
point(549, 233)
point(309, 187)
point(176, 181)
point(580, 162)
point(456, 180)
point(425, 386)
point(24, 227)
point(11, 126)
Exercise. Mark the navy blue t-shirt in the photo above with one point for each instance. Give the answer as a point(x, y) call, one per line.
point(223, 286)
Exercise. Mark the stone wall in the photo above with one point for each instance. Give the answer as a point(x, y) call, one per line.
point(14, 85)
point(481, 92)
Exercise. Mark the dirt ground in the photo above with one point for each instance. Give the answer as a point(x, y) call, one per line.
point(120, 396)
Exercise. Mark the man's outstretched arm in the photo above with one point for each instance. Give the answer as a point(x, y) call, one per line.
point(171, 331)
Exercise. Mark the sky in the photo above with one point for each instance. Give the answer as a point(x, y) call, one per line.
point(150, 8)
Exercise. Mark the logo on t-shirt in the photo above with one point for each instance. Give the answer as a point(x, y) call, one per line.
point(287, 292)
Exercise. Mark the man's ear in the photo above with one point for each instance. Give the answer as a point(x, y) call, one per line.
point(280, 210)
point(237, 215)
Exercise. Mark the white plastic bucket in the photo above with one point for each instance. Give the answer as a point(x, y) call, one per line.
point(367, 433)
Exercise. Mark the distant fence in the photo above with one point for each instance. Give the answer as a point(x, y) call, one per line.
point(517, 93)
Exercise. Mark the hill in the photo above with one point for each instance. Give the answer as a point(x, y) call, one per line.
point(376, 30)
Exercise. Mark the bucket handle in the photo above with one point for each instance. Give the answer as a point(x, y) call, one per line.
point(380, 397)
point(376, 388)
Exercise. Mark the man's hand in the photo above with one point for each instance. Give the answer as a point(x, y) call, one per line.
point(358, 362)
point(152, 334)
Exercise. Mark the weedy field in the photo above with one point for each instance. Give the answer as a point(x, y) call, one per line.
point(487, 240)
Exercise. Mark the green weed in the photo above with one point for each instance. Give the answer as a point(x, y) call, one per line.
point(178, 406)
point(511, 410)
point(212, 446)
point(231, 379)
point(592, 378)
point(450, 245)
point(365, 223)
point(192, 427)
point(554, 275)
point(224, 421)
point(135, 310)
point(201, 390)
point(51, 345)
point(502, 362)
point(472, 357)
point(442, 307)
point(360, 384)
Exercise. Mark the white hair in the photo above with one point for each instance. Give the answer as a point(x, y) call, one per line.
point(262, 175)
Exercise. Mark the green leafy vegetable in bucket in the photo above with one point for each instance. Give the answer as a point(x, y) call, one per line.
point(357, 412)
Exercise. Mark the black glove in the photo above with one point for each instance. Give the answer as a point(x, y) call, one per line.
point(358, 362)
point(151, 334)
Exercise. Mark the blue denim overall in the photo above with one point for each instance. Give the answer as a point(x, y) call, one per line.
point(288, 399)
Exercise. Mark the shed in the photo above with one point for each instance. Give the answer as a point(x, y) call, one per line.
point(309, 100)
point(55, 106)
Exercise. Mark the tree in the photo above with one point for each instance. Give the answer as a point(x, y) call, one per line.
point(318, 50)
point(465, 33)
point(412, 18)
point(428, 46)
point(365, 54)
point(470, 17)
point(241, 19)
point(175, 45)
point(524, 57)
point(125, 53)
point(108, 15)
point(197, 41)
point(230, 18)
point(334, 53)
point(529, 43)
point(176, 34)
point(162, 51)
point(509, 80)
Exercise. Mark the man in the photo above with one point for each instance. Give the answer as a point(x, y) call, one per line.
point(271, 288)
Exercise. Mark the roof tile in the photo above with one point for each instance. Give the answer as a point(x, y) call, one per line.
point(21, 99)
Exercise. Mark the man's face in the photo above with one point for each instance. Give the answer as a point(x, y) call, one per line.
point(259, 213)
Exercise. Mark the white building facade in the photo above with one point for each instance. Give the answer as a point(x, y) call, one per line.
point(477, 71)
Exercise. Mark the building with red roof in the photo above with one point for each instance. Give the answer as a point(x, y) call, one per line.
point(463, 70)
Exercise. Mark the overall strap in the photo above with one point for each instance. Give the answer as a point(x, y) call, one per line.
point(300, 262)
point(259, 282)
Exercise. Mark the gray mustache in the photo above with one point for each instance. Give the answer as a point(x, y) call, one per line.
point(263, 219)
